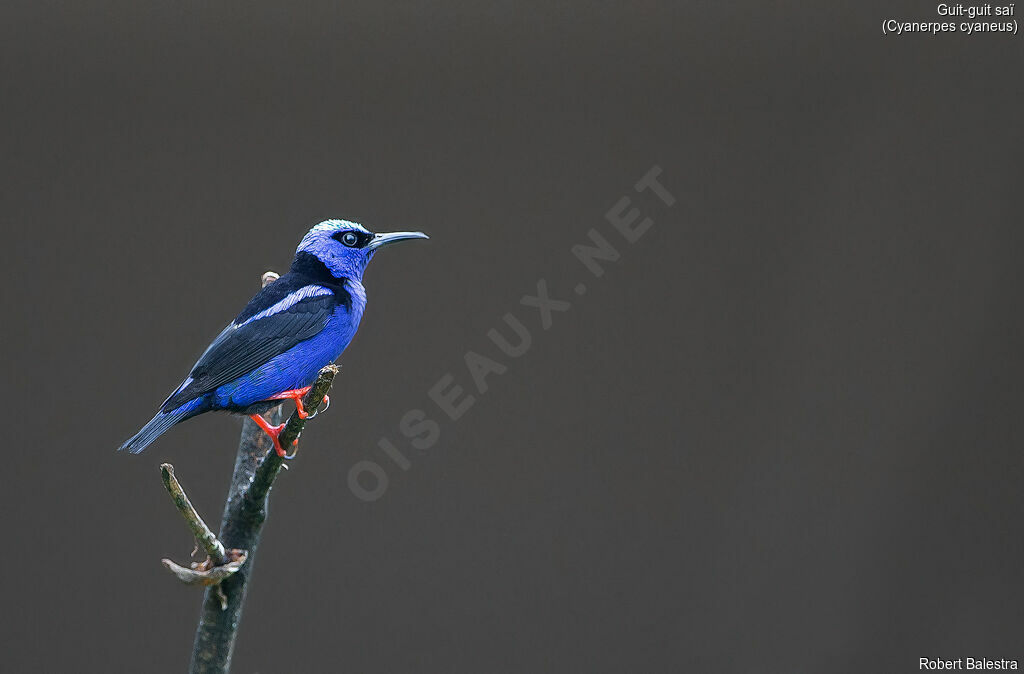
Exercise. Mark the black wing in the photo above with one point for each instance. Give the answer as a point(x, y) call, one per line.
point(249, 342)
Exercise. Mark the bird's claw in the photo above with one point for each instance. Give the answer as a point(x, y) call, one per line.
point(285, 455)
point(326, 403)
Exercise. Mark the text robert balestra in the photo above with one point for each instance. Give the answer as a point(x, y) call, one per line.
point(938, 664)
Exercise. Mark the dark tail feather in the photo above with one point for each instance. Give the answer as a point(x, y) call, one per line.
point(159, 424)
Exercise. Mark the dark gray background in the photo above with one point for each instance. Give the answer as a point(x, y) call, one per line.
point(781, 434)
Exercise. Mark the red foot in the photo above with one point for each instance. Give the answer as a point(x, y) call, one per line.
point(273, 432)
point(296, 394)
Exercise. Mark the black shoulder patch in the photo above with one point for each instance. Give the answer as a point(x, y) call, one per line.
point(313, 268)
point(308, 269)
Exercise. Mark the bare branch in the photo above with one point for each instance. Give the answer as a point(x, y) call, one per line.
point(204, 537)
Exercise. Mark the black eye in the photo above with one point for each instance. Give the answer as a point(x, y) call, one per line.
point(349, 239)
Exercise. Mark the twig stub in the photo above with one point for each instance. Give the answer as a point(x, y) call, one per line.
point(207, 573)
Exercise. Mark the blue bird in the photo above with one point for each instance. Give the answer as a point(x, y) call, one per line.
point(291, 329)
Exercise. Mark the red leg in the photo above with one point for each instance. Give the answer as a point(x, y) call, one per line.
point(297, 395)
point(272, 431)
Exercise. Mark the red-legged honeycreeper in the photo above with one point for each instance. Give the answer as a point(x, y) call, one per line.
point(291, 329)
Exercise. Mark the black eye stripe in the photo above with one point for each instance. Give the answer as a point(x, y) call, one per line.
point(362, 238)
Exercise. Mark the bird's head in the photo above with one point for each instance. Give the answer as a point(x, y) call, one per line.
point(346, 247)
